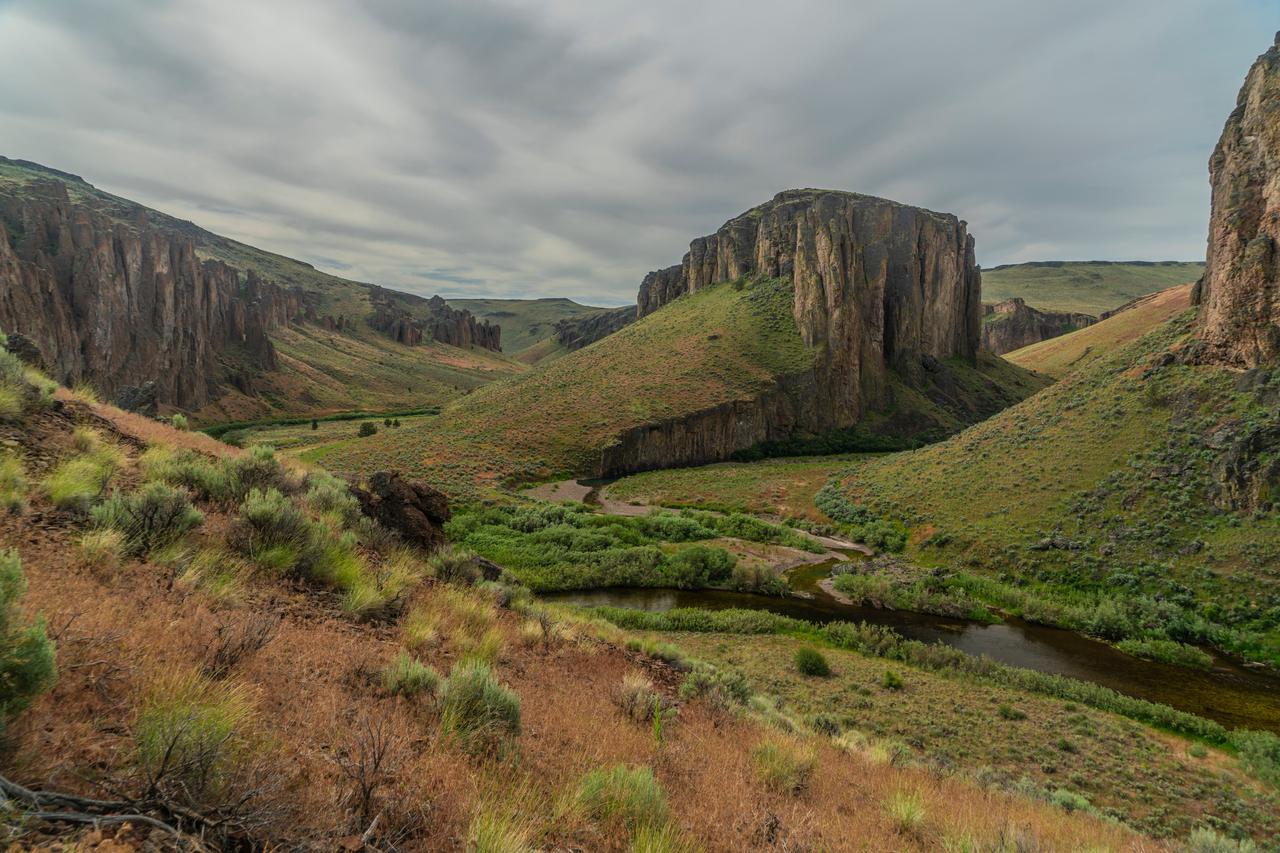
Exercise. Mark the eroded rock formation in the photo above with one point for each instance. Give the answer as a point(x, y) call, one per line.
point(1239, 295)
point(1013, 324)
point(878, 285)
point(120, 304)
point(578, 332)
point(399, 317)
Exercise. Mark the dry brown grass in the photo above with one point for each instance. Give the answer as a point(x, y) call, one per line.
point(315, 687)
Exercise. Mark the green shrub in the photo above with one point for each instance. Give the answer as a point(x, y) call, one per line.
point(326, 494)
point(151, 517)
point(274, 526)
point(1260, 752)
point(476, 709)
point(623, 795)
point(1169, 651)
point(784, 765)
point(1070, 801)
point(367, 428)
point(1008, 712)
point(452, 564)
point(179, 421)
point(407, 676)
point(256, 469)
point(202, 477)
point(190, 734)
point(891, 680)
point(13, 483)
point(758, 579)
point(698, 566)
point(79, 481)
point(1205, 840)
point(26, 652)
point(809, 661)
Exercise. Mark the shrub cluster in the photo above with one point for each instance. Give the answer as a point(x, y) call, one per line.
point(566, 546)
point(153, 516)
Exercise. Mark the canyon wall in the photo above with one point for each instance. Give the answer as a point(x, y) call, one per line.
point(1239, 295)
point(438, 322)
point(578, 332)
point(878, 285)
point(1013, 324)
point(120, 305)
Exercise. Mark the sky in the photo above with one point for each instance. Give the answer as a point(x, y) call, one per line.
point(566, 147)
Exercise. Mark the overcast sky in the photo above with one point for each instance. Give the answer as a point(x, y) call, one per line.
point(491, 147)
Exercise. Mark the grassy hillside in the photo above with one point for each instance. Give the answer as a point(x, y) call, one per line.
point(321, 371)
point(1058, 356)
point(269, 670)
point(784, 487)
point(1088, 287)
point(1133, 498)
point(524, 322)
point(723, 343)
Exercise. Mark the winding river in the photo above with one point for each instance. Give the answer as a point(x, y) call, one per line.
point(1235, 695)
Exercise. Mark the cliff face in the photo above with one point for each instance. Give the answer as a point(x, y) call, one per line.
point(1013, 324)
point(439, 322)
point(120, 304)
point(1239, 295)
point(578, 332)
point(878, 286)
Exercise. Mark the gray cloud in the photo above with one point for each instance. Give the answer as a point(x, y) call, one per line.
point(565, 148)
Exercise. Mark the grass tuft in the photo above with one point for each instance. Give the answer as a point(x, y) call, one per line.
point(784, 765)
point(628, 796)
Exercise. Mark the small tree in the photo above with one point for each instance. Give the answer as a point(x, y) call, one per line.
point(386, 422)
point(367, 428)
point(26, 652)
point(315, 424)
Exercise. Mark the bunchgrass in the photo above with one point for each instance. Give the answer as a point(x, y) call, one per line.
point(784, 765)
point(407, 676)
point(623, 795)
point(478, 711)
point(13, 483)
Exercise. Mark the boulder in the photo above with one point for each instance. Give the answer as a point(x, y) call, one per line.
point(409, 507)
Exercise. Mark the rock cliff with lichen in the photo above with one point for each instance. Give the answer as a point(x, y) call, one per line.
point(878, 286)
point(1239, 295)
point(1013, 324)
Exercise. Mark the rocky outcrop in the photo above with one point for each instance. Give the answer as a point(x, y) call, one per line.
point(578, 332)
point(1239, 295)
point(120, 304)
point(411, 508)
point(1013, 324)
point(878, 287)
point(410, 321)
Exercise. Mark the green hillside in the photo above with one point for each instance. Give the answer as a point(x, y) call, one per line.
point(1058, 356)
point(524, 322)
point(1131, 499)
point(723, 343)
point(1087, 287)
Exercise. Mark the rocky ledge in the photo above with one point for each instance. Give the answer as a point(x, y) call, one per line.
point(578, 332)
point(411, 320)
point(1239, 295)
point(1013, 324)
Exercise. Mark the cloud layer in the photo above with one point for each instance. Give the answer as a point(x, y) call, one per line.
point(504, 148)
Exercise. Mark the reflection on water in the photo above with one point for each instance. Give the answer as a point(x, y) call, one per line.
point(1234, 695)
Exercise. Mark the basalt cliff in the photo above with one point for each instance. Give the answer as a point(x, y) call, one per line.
point(1239, 295)
point(147, 307)
point(578, 332)
point(878, 286)
point(120, 304)
point(1013, 324)
point(433, 320)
